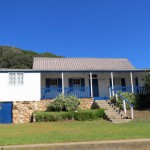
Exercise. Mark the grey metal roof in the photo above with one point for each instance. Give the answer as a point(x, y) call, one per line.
point(81, 64)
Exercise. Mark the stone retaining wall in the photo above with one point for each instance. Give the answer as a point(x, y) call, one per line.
point(22, 111)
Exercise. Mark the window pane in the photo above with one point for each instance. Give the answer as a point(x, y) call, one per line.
point(53, 82)
point(76, 82)
point(20, 78)
point(117, 82)
point(11, 78)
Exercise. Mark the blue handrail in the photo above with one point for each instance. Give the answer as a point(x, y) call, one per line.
point(124, 100)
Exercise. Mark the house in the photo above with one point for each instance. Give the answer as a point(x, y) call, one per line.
point(82, 77)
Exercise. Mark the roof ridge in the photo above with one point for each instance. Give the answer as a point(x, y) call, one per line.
point(78, 58)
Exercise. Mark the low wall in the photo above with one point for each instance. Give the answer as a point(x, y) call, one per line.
point(22, 111)
point(141, 144)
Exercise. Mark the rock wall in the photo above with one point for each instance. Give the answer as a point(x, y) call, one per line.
point(86, 103)
point(22, 111)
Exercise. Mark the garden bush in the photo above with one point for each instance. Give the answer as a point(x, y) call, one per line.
point(142, 101)
point(52, 116)
point(129, 96)
point(81, 115)
point(64, 103)
point(139, 101)
point(84, 115)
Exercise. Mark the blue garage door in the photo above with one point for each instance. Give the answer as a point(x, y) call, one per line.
point(5, 112)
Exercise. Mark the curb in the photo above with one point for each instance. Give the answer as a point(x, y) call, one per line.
point(133, 144)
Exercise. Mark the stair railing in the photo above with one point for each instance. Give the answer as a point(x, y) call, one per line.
point(124, 101)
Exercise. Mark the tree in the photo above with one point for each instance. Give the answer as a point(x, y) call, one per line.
point(16, 58)
point(146, 80)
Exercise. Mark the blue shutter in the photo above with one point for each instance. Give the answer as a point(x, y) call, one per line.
point(71, 84)
point(82, 84)
point(47, 82)
point(47, 85)
point(110, 82)
point(60, 84)
point(123, 84)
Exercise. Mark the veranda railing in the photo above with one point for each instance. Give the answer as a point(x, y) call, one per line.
point(52, 92)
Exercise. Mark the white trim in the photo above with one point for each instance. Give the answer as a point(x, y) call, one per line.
point(91, 84)
point(131, 76)
point(40, 86)
point(112, 81)
point(63, 90)
point(124, 107)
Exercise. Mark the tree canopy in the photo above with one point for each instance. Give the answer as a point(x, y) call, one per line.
point(16, 58)
point(146, 80)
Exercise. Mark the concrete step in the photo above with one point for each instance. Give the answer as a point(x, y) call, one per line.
point(112, 112)
point(120, 120)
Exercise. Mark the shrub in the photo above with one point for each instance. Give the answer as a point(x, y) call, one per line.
point(89, 114)
point(51, 116)
point(58, 104)
point(142, 101)
point(64, 103)
point(78, 115)
point(139, 101)
point(72, 103)
point(129, 96)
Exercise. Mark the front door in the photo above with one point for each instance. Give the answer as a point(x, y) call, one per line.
point(95, 88)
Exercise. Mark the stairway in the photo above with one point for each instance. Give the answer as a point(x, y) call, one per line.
point(112, 112)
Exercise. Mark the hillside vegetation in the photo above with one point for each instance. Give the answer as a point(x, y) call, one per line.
point(16, 58)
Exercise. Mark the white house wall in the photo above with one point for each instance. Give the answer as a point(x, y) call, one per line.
point(29, 91)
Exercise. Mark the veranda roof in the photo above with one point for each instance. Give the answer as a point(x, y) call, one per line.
point(81, 64)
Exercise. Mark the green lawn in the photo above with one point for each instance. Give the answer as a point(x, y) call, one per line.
point(72, 131)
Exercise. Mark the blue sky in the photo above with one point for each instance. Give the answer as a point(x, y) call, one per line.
point(79, 28)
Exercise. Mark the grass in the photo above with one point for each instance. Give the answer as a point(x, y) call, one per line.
point(72, 131)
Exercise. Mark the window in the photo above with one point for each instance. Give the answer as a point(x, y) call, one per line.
point(20, 78)
point(117, 81)
point(12, 78)
point(53, 82)
point(76, 82)
point(16, 78)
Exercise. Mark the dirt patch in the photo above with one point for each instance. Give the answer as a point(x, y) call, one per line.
point(141, 114)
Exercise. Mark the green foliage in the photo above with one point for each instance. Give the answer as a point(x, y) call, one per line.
point(142, 101)
point(58, 104)
point(64, 103)
point(72, 103)
point(139, 101)
point(52, 116)
point(15, 58)
point(81, 115)
point(93, 114)
point(129, 96)
point(146, 80)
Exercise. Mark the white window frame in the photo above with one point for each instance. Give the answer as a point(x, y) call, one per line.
point(16, 79)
